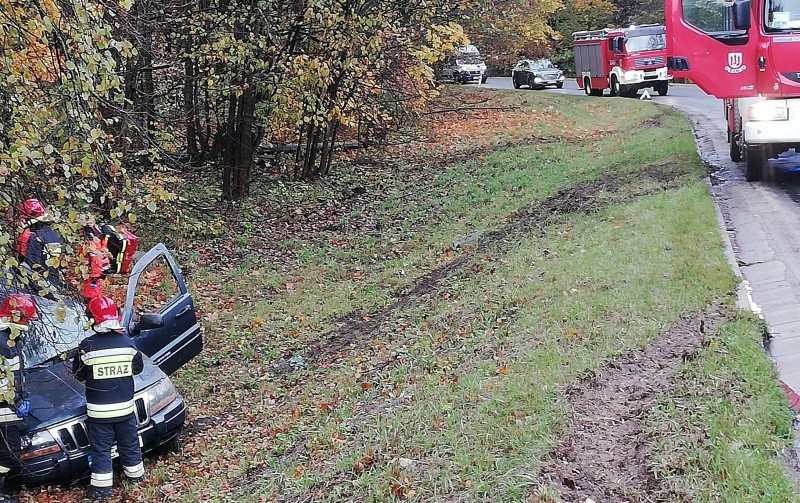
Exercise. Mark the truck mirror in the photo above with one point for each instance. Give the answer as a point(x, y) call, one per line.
point(741, 14)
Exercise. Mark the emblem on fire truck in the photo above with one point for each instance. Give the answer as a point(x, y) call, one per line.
point(735, 63)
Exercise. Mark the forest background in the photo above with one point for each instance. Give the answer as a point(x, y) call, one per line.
point(103, 102)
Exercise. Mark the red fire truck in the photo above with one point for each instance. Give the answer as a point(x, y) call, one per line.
point(747, 53)
point(623, 60)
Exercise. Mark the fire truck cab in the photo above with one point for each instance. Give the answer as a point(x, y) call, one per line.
point(623, 60)
point(748, 54)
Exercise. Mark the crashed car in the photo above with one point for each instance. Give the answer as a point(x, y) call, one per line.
point(161, 321)
point(536, 74)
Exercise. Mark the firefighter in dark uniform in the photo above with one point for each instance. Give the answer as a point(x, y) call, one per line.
point(106, 362)
point(15, 313)
point(38, 245)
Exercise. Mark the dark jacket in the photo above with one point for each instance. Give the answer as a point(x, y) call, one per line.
point(106, 362)
point(38, 243)
point(10, 363)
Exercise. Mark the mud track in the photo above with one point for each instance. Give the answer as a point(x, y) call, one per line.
point(587, 197)
point(604, 454)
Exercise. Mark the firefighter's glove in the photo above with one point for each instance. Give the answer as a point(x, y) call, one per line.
point(24, 409)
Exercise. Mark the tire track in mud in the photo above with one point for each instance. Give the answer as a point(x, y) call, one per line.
point(604, 454)
point(587, 197)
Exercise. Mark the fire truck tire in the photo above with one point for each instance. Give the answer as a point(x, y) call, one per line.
point(615, 89)
point(734, 136)
point(755, 158)
point(587, 87)
point(662, 88)
point(736, 152)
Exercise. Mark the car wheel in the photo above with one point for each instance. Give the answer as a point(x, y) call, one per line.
point(484, 79)
point(560, 85)
point(587, 87)
point(514, 81)
point(755, 158)
point(615, 91)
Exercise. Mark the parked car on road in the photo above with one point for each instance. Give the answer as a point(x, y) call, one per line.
point(536, 74)
point(159, 316)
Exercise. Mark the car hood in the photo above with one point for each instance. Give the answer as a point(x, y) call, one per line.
point(472, 66)
point(56, 395)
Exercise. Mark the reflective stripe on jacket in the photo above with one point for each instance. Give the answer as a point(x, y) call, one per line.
point(107, 362)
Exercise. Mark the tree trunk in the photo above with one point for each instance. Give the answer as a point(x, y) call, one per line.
point(190, 110)
point(239, 149)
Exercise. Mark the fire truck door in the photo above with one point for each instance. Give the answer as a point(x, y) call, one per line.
point(705, 45)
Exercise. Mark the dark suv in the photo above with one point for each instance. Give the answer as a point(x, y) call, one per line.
point(162, 322)
point(536, 74)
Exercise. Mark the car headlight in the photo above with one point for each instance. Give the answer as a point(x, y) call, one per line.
point(538, 79)
point(767, 111)
point(561, 77)
point(160, 395)
point(37, 445)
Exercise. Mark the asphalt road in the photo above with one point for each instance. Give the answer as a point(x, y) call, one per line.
point(760, 221)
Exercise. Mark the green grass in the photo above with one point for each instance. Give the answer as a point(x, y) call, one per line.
point(458, 394)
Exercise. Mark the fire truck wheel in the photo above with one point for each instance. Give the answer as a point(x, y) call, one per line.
point(755, 158)
point(587, 87)
point(662, 88)
point(735, 151)
point(615, 91)
point(735, 136)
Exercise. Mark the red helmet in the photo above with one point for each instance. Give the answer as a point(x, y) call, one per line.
point(102, 309)
point(31, 209)
point(18, 308)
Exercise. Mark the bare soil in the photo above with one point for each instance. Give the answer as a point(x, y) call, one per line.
point(603, 457)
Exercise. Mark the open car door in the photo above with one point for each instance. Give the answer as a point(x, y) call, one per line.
point(705, 45)
point(156, 286)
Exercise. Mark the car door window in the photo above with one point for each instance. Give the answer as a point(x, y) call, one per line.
point(157, 287)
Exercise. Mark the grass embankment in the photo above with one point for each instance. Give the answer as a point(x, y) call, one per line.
point(414, 327)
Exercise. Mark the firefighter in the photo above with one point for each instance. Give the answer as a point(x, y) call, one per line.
point(38, 243)
point(15, 313)
point(107, 361)
point(95, 256)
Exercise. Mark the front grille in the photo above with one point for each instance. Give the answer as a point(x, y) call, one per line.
point(550, 76)
point(652, 61)
point(73, 436)
point(141, 412)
